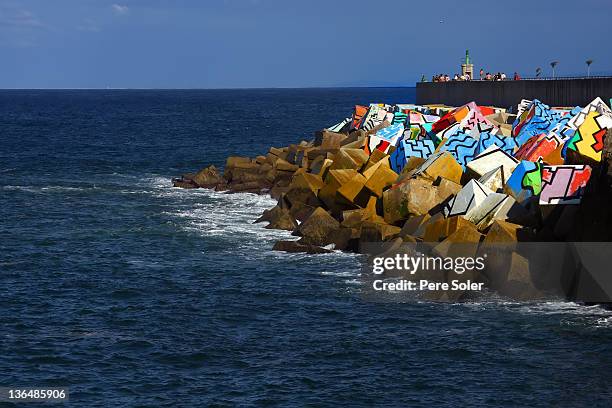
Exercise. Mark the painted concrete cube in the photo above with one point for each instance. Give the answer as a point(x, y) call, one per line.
point(538, 147)
point(487, 139)
point(588, 140)
point(462, 146)
point(525, 181)
point(385, 138)
point(537, 119)
point(564, 184)
point(410, 148)
point(490, 159)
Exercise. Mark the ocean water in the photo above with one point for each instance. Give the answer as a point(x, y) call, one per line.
point(134, 293)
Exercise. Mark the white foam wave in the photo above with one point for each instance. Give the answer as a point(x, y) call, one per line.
point(66, 188)
point(341, 273)
point(213, 213)
point(567, 313)
point(356, 282)
point(229, 217)
point(46, 189)
point(28, 189)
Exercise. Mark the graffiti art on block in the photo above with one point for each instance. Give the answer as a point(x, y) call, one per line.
point(490, 110)
point(538, 147)
point(564, 184)
point(399, 117)
point(462, 146)
point(568, 144)
point(452, 117)
point(391, 133)
point(522, 107)
point(562, 124)
point(419, 148)
point(385, 138)
point(486, 110)
point(597, 105)
point(338, 126)
point(407, 107)
point(413, 132)
point(525, 181)
point(410, 148)
point(371, 118)
point(438, 110)
point(474, 123)
point(431, 118)
point(588, 140)
point(539, 118)
point(358, 115)
point(554, 158)
point(416, 118)
point(417, 132)
point(507, 144)
point(397, 160)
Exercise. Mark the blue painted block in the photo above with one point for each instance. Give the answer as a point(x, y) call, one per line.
point(462, 146)
point(537, 119)
point(507, 144)
point(410, 148)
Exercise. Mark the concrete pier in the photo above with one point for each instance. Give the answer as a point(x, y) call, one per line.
point(554, 92)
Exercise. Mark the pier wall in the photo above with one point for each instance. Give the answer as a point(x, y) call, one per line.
point(553, 92)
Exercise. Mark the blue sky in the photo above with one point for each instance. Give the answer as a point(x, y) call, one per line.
point(285, 43)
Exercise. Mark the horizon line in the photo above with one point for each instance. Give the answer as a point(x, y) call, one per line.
point(200, 89)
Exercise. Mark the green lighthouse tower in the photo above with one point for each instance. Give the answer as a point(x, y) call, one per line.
point(467, 67)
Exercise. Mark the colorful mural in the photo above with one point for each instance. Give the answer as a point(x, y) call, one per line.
point(538, 147)
point(525, 181)
point(399, 117)
point(468, 119)
point(538, 119)
point(462, 146)
point(371, 118)
point(339, 126)
point(385, 138)
point(358, 115)
point(563, 122)
point(487, 139)
point(410, 148)
point(431, 118)
point(523, 105)
point(597, 105)
point(416, 118)
point(564, 184)
point(452, 117)
point(588, 140)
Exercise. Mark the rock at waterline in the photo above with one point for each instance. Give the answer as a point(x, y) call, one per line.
point(317, 229)
point(295, 246)
point(208, 177)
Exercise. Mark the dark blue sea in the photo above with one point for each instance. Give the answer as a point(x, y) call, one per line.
point(133, 293)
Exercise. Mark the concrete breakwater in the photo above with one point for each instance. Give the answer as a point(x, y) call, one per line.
point(448, 182)
point(556, 92)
